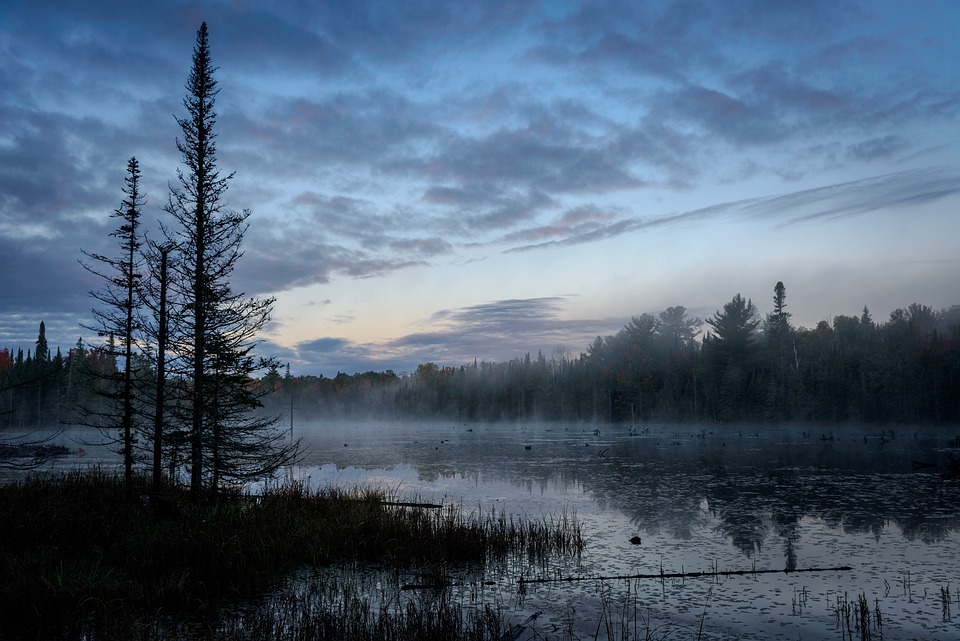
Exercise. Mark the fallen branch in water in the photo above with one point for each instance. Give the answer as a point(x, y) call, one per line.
point(680, 575)
point(434, 506)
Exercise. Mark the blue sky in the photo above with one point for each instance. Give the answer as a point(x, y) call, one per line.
point(445, 182)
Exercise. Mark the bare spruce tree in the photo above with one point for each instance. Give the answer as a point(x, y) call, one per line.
point(215, 327)
point(115, 317)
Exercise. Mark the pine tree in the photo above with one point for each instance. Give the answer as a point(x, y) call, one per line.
point(43, 351)
point(119, 300)
point(734, 332)
point(729, 352)
point(778, 332)
point(216, 328)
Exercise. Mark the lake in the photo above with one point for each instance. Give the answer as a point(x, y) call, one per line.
point(700, 499)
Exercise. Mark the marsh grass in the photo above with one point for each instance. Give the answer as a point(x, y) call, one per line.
point(80, 556)
point(335, 608)
point(945, 602)
point(855, 620)
point(624, 618)
point(333, 605)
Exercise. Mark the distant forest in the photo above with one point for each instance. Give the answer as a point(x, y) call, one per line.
point(734, 367)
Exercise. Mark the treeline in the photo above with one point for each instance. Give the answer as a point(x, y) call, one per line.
point(732, 367)
point(40, 388)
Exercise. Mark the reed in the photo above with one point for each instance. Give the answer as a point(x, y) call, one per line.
point(338, 609)
point(628, 619)
point(855, 619)
point(945, 602)
point(335, 605)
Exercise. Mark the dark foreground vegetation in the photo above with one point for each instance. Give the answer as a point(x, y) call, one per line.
point(81, 557)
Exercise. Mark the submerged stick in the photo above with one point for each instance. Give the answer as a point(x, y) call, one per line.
point(680, 575)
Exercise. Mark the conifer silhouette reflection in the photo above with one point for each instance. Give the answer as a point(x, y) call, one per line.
point(750, 484)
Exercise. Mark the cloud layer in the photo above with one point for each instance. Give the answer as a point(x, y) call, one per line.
point(375, 139)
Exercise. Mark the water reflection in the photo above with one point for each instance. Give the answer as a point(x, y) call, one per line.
point(747, 484)
point(673, 482)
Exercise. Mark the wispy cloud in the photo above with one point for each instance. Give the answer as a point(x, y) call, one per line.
point(826, 203)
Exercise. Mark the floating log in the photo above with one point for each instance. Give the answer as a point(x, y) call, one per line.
point(432, 506)
point(680, 575)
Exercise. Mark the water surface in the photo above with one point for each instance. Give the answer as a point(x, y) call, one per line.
point(700, 499)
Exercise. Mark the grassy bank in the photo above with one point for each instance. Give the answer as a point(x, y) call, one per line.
point(78, 553)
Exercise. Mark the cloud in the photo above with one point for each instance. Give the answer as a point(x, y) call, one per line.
point(291, 261)
point(874, 148)
point(522, 157)
point(372, 137)
point(859, 197)
point(576, 222)
point(495, 332)
point(326, 134)
point(831, 202)
point(483, 208)
point(514, 326)
point(321, 346)
point(322, 237)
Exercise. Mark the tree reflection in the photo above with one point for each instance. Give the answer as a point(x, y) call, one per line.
point(750, 485)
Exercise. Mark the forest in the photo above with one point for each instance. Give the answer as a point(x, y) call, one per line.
point(734, 367)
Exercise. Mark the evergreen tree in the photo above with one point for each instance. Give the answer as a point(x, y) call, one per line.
point(676, 328)
point(730, 355)
point(778, 332)
point(43, 351)
point(677, 332)
point(216, 326)
point(40, 372)
point(734, 332)
point(119, 300)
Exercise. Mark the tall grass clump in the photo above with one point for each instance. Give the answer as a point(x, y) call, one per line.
point(337, 609)
point(79, 552)
point(855, 619)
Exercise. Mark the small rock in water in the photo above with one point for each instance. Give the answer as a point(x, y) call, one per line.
point(527, 447)
point(635, 540)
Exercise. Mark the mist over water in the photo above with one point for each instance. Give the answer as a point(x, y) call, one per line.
point(700, 498)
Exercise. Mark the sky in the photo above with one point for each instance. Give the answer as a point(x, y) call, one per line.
point(456, 181)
